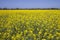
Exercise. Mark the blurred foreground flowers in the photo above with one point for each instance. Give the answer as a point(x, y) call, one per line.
point(30, 26)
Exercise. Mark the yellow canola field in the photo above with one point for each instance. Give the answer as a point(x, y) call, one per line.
point(29, 24)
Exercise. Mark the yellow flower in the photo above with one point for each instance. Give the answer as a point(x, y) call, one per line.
point(31, 31)
point(40, 32)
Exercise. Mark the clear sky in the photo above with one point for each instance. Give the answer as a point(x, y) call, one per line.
point(30, 3)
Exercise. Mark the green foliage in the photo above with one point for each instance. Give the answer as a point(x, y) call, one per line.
point(30, 26)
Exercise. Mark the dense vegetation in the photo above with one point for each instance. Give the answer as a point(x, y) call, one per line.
point(29, 8)
point(29, 24)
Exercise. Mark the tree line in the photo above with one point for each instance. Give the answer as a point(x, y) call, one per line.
point(29, 8)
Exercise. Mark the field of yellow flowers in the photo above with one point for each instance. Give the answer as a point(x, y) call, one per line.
point(29, 24)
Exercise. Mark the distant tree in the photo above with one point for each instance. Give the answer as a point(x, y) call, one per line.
point(5, 8)
point(17, 8)
point(0, 8)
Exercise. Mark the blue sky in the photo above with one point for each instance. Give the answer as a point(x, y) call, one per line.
point(30, 3)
